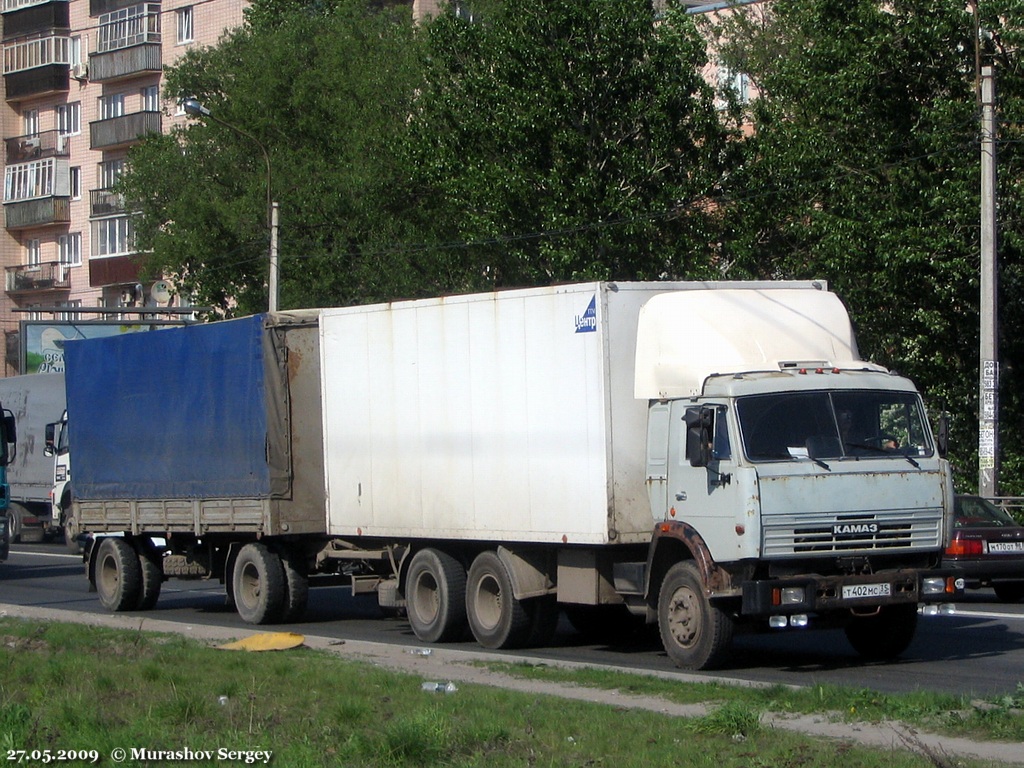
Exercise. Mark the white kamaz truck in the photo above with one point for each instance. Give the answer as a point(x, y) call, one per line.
point(706, 456)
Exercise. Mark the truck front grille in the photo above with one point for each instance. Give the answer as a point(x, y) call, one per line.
point(814, 535)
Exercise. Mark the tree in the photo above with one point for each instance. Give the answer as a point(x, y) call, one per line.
point(863, 169)
point(325, 88)
point(565, 140)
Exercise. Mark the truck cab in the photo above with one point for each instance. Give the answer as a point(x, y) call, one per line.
point(56, 438)
point(801, 484)
point(8, 441)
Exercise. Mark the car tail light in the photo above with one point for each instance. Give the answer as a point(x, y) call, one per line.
point(964, 547)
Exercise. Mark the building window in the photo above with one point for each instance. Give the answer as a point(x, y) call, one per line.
point(75, 50)
point(75, 182)
point(69, 118)
point(111, 105)
point(109, 172)
point(129, 26)
point(151, 98)
point(39, 178)
point(69, 249)
point(186, 32)
point(113, 237)
point(32, 252)
point(36, 53)
point(30, 122)
point(731, 82)
point(69, 316)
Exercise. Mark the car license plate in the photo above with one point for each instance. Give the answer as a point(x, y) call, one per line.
point(855, 591)
point(1006, 546)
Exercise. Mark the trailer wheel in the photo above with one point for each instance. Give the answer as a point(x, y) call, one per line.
point(259, 585)
point(497, 618)
point(296, 583)
point(695, 633)
point(885, 635)
point(435, 596)
point(152, 580)
point(118, 575)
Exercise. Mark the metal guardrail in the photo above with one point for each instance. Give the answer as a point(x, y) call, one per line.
point(1012, 504)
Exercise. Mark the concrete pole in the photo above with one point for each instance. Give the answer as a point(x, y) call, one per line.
point(988, 406)
point(273, 289)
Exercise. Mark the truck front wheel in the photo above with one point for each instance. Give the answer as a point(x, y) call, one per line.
point(259, 585)
point(118, 576)
point(435, 596)
point(886, 634)
point(696, 634)
point(497, 618)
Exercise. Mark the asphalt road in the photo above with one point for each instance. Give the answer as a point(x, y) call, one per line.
point(978, 651)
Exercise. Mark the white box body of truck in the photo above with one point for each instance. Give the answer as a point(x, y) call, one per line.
point(497, 417)
point(35, 400)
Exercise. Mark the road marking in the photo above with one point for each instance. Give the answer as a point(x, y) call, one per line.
point(983, 614)
point(36, 553)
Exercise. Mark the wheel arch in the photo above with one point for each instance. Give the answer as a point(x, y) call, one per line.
point(674, 542)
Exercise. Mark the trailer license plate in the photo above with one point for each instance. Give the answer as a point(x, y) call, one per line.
point(854, 591)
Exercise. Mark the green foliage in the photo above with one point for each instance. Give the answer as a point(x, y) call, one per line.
point(565, 140)
point(864, 170)
point(322, 88)
point(528, 142)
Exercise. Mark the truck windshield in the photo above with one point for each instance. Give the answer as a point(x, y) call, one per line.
point(833, 425)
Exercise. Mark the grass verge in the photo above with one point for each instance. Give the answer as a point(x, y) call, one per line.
point(71, 687)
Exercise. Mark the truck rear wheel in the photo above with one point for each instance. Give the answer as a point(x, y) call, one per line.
point(497, 618)
point(696, 634)
point(118, 575)
point(435, 596)
point(260, 589)
point(152, 580)
point(885, 635)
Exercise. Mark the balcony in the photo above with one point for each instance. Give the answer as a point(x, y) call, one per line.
point(124, 130)
point(104, 202)
point(39, 81)
point(48, 276)
point(142, 59)
point(115, 270)
point(22, 19)
point(38, 212)
point(21, 149)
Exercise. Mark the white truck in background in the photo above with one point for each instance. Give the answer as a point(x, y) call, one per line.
point(35, 400)
point(61, 515)
point(704, 456)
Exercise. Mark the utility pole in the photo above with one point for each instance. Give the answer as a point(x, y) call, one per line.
point(274, 266)
point(988, 401)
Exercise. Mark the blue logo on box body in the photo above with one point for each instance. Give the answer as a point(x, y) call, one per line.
point(588, 322)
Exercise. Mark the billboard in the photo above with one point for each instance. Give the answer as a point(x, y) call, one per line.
point(42, 341)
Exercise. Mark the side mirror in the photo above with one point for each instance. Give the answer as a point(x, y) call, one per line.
point(50, 440)
point(942, 437)
point(699, 438)
point(9, 449)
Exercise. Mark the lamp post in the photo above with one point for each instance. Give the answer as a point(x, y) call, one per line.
point(193, 108)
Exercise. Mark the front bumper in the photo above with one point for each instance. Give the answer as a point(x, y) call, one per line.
point(863, 592)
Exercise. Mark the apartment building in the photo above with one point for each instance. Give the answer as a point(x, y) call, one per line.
point(81, 85)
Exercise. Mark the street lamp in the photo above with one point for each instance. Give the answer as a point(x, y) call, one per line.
point(193, 108)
